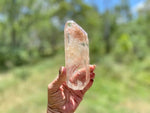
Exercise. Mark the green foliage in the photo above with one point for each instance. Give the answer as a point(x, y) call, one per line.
point(34, 29)
point(124, 43)
point(115, 87)
point(22, 74)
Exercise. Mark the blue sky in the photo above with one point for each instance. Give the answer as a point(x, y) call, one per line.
point(102, 4)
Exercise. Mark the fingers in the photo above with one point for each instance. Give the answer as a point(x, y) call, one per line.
point(62, 76)
point(81, 74)
point(92, 75)
point(59, 80)
point(88, 86)
point(92, 67)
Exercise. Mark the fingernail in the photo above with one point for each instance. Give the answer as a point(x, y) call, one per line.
point(60, 70)
point(94, 66)
point(92, 80)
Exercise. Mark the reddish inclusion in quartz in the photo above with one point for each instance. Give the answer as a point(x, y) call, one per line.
point(76, 31)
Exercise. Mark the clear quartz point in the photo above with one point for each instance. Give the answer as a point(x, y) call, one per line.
point(76, 55)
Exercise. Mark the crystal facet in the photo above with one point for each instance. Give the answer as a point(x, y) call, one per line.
point(76, 55)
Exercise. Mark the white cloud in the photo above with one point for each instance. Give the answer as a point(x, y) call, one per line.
point(139, 6)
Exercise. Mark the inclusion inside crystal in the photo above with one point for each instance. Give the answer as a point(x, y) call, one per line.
point(76, 55)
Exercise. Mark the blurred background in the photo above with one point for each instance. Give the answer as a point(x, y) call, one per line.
point(32, 50)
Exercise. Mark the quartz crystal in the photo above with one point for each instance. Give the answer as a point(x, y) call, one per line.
point(76, 55)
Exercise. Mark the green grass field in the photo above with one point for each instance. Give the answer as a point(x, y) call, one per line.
point(117, 88)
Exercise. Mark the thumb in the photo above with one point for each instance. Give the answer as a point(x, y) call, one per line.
point(59, 80)
point(61, 77)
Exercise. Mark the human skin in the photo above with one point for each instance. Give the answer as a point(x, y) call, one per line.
point(61, 98)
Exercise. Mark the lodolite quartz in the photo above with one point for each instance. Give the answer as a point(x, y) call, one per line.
point(76, 55)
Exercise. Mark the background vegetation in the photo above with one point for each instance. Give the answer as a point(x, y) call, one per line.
point(32, 50)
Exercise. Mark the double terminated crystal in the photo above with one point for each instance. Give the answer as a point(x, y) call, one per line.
point(76, 56)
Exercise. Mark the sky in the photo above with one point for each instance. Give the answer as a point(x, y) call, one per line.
point(102, 4)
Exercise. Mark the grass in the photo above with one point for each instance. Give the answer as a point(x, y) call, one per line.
point(118, 88)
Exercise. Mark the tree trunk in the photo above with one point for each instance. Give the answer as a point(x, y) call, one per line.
point(13, 37)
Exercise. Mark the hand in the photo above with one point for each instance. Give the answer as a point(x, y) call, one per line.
point(61, 98)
